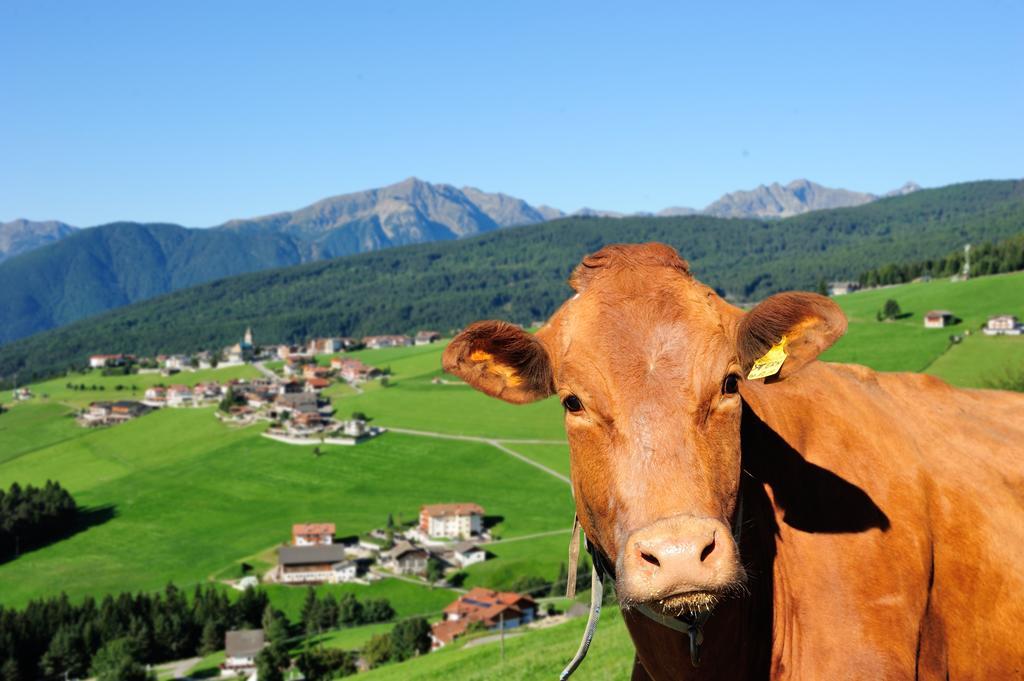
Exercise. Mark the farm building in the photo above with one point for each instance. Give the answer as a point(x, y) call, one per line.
point(938, 319)
point(240, 650)
point(427, 337)
point(313, 534)
point(493, 609)
point(452, 521)
point(102, 361)
point(406, 559)
point(325, 346)
point(112, 413)
point(392, 341)
point(156, 395)
point(1003, 325)
point(841, 288)
point(353, 370)
point(465, 554)
point(179, 396)
point(314, 565)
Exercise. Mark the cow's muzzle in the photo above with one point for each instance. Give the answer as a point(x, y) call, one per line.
point(679, 564)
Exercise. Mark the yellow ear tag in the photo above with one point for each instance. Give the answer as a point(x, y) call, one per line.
point(770, 363)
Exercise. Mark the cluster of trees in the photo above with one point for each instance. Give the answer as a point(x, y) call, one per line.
point(407, 639)
point(123, 633)
point(51, 637)
point(519, 274)
point(321, 613)
point(987, 258)
point(34, 516)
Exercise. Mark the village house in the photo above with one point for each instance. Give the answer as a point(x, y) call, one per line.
point(21, 394)
point(156, 395)
point(314, 564)
point(937, 319)
point(240, 650)
point(841, 288)
point(315, 385)
point(427, 337)
point(451, 521)
point(326, 346)
point(103, 361)
point(353, 370)
point(112, 413)
point(391, 341)
point(290, 387)
point(315, 371)
point(460, 555)
point(356, 428)
point(297, 403)
point(465, 554)
point(492, 609)
point(179, 396)
point(176, 363)
point(1003, 325)
point(404, 558)
point(313, 534)
point(204, 392)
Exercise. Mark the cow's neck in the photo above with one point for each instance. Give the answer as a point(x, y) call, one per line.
point(738, 637)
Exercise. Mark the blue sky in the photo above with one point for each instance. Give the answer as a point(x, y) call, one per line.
point(199, 112)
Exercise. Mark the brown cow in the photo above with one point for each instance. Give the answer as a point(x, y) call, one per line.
point(882, 515)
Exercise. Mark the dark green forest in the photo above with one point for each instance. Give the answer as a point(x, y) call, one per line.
point(986, 258)
point(519, 274)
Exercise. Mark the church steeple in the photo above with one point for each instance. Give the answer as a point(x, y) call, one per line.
point(248, 336)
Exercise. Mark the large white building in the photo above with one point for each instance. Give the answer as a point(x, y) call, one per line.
point(452, 521)
point(1003, 325)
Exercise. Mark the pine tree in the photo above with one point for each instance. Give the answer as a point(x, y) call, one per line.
point(212, 639)
point(119, 661)
point(409, 638)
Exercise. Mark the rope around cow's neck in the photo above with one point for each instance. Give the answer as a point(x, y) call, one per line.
point(596, 598)
point(692, 626)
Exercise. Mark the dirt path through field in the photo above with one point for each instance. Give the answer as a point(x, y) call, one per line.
point(500, 444)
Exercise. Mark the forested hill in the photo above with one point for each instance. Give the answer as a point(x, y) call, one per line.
point(520, 274)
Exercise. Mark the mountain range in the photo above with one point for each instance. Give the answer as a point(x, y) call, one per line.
point(517, 274)
point(53, 274)
point(21, 236)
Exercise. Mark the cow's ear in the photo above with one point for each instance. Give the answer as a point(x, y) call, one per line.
point(808, 322)
point(502, 360)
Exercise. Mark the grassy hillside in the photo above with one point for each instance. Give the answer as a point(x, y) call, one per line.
point(535, 655)
point(520, 274)
point(905, 345)
point(192, 498)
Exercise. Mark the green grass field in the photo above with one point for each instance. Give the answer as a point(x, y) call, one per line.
point(905, 345)
point(31, 426)
point(192, 497)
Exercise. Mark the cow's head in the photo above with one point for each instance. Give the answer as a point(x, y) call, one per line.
point(648, 363)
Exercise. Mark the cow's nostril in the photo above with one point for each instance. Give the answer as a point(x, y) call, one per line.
point(707, 550)
point(653, 560)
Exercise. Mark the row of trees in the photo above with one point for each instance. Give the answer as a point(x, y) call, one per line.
point(34, 516)
point(988, 258)
point(53, 637)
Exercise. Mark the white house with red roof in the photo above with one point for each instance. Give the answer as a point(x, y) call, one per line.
point(452, 521)
point(313, 534)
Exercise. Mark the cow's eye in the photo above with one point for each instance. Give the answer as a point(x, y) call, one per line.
point(731, 384)
point(572, 403)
